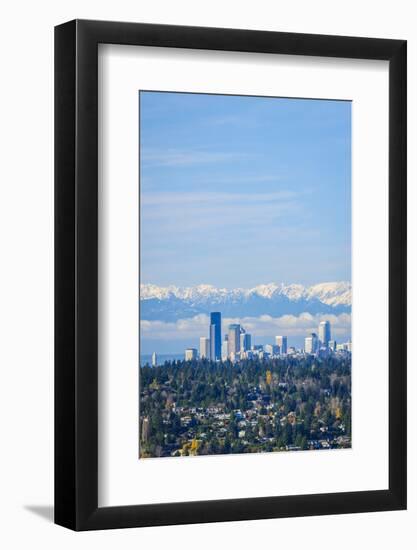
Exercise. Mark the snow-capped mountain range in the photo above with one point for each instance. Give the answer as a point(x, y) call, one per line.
point(172, 303)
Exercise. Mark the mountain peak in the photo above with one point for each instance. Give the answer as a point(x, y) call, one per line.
point(172, 302)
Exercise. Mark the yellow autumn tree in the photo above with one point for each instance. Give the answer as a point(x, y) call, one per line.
point(185, 449)
point(268, 377)
point(194, 446)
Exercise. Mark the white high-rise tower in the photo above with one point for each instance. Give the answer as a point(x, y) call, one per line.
point(311, 343)
point(204, 348)
point(324, 333)
point(234, 339)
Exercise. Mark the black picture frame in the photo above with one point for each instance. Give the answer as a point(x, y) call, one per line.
point(76, 274)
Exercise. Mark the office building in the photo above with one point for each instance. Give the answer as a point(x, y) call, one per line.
point(154, 359)
point(215, 336)
point(204, 348)
point(234, 339)
point(311, 343)
point(190, 354)
point(324, 333)
point(245, 341)
point(271, 349)
point(332, 345)
point(235, 357)
point(225, 350)
point(281, 341)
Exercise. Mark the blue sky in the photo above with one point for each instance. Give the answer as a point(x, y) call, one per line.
point(238, 191)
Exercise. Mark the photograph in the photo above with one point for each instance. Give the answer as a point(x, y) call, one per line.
point(245, 274)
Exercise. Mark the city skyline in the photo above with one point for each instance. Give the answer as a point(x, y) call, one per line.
point(173, 338)
point(172, 318)
point(237, 345)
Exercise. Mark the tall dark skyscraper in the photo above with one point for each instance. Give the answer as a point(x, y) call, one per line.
point(215, 336)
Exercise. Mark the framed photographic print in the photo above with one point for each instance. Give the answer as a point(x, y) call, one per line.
point(230, 275)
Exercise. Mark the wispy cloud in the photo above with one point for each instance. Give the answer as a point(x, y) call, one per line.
point(245, 179)
point(241, 120)
point(178, 157)
point(194, 212)
point(163, 199)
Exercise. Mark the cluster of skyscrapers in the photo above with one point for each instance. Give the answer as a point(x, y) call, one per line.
point(237, 343)
point(314, 344)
